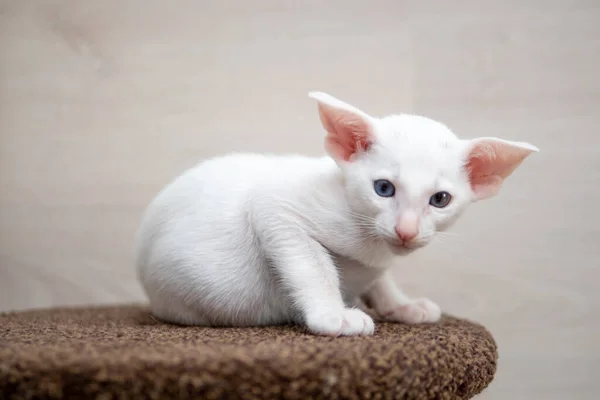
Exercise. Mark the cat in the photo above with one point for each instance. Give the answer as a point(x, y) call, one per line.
point(253, 240)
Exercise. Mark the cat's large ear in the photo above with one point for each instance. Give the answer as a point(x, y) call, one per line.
point(489, 161)
point(349, 130)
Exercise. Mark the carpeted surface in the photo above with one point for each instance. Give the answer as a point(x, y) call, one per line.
point(122, 352)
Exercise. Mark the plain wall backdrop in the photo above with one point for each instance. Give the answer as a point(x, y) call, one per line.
point(104, 102)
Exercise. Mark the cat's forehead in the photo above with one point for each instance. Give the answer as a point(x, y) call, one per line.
point(411, 137)
point(415, 128)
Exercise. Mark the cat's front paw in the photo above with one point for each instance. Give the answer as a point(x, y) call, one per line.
point(416, 312)
point(345, 322)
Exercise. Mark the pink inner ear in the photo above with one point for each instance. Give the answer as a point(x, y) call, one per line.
point(484, 182)
point(490, 162)
point(347, 133)
point(343, 147)
point(481, 168)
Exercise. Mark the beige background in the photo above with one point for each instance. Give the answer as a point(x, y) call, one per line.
point(103, 102)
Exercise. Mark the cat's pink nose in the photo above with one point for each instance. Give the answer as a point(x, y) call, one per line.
point(406, 235)
point(408, 226)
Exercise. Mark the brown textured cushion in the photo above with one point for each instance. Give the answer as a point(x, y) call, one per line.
point(122, 352)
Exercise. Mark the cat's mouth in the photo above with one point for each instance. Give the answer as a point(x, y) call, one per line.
point(399, 247)
point(403, 247)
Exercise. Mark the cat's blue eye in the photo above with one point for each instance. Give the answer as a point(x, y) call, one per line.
point(440, 199)
point(384, 188)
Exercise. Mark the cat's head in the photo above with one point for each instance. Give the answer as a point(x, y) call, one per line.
point(409, 177)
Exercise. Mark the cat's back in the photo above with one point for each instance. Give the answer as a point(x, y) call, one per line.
point(214, 198)
point(197, 243)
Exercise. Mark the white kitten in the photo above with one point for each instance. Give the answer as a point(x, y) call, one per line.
point(251, 239)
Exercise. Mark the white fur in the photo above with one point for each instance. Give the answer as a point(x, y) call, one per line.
point(248, 239)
